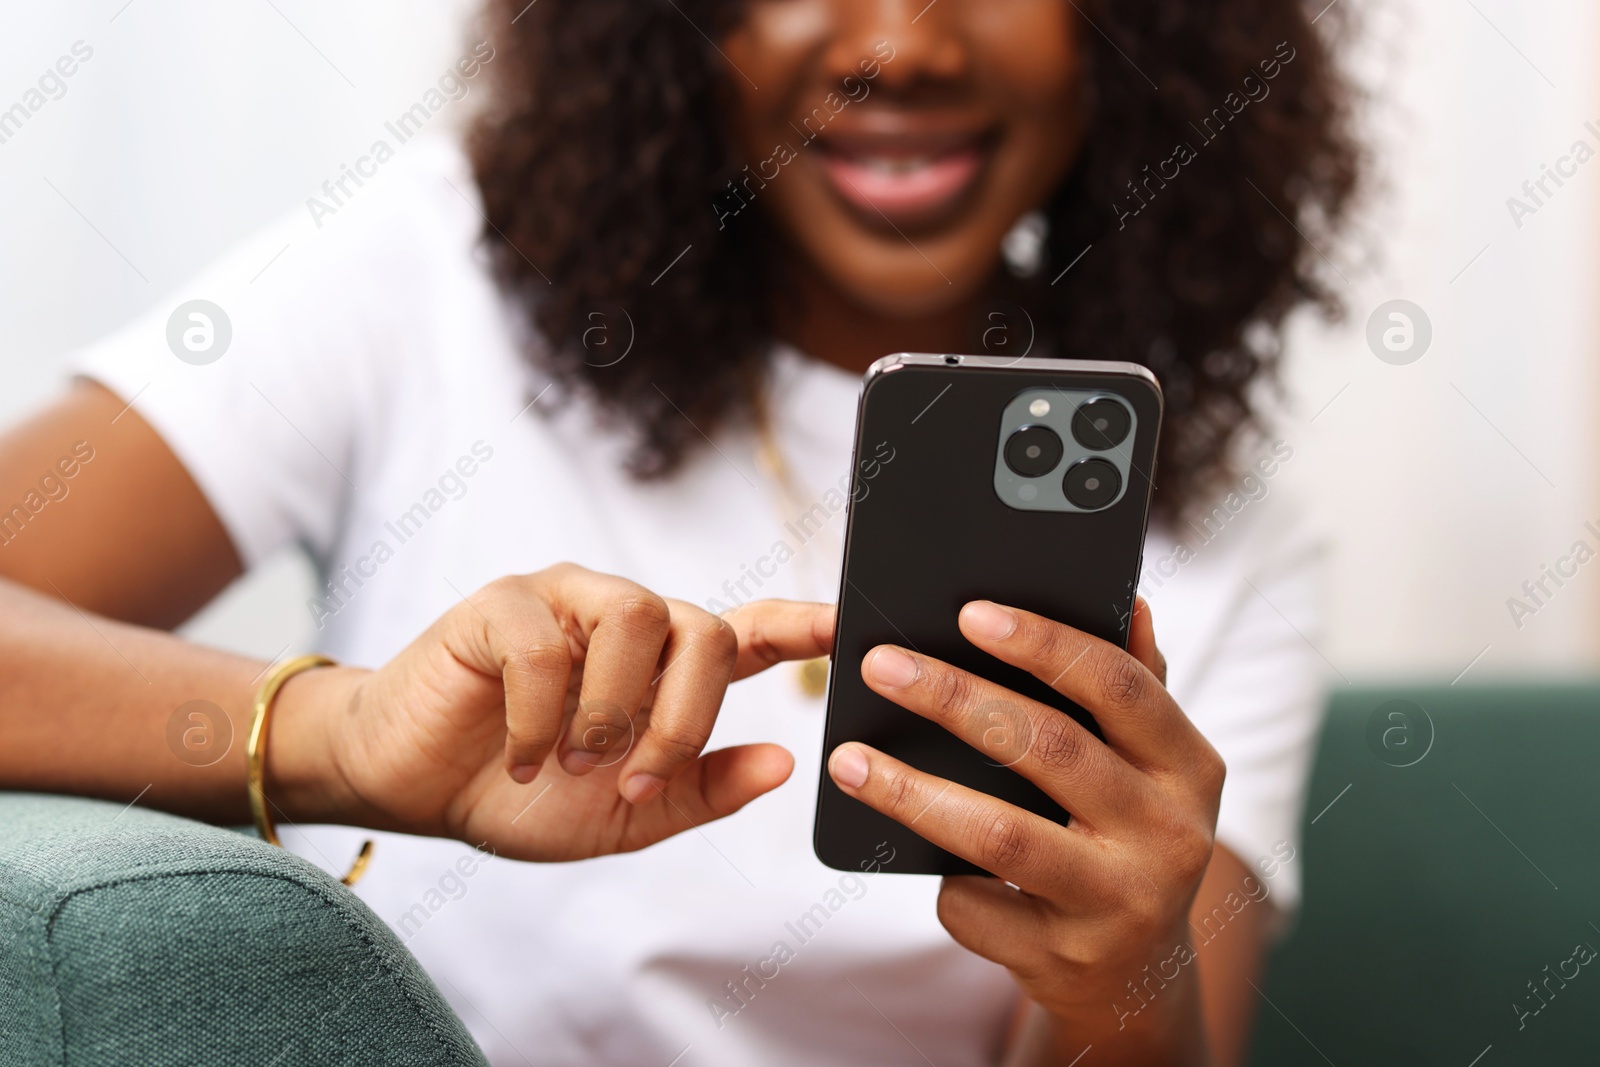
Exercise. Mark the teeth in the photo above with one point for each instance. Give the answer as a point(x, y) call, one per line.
point(895, 166)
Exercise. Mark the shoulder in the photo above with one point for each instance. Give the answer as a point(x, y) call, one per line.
point(412, 229)
point(403, 249)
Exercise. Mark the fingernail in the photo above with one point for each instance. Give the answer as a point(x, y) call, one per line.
point(524, 773)
point(891, 667)
point(642, 787)
point(848, 766)
point(576, 761)
point(988, 619)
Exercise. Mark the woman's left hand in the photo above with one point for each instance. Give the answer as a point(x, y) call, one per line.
point(1090, 904)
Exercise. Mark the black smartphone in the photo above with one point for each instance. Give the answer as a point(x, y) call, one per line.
point(1025, 482)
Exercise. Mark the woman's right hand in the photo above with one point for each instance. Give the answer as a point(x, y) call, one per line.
point(551, 716)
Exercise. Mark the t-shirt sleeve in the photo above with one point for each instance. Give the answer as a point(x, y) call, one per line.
point(1258, 687)
point(261, 377)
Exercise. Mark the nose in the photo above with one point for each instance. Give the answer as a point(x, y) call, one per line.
point(913, 41)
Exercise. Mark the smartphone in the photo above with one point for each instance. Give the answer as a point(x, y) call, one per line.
point(1023, 481)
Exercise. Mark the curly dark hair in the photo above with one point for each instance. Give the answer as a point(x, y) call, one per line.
point(605, 147)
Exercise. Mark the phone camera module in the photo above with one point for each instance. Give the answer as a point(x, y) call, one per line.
point(1100, 424)
point(1033, 451)
point(1091, 484)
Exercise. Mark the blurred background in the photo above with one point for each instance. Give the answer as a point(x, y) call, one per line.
point(1449, 476)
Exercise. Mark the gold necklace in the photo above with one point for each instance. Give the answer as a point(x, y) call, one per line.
point(810, 675)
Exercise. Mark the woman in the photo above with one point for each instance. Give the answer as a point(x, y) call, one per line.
point(627, 330)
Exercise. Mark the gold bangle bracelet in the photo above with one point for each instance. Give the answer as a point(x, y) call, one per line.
point(256, 756)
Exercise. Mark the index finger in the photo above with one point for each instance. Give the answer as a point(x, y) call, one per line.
point(772, 631)
point(1136, 714)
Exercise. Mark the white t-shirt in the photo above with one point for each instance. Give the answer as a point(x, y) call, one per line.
point(372, 407)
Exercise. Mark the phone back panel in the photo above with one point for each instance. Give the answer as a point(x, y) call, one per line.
point(926, 534)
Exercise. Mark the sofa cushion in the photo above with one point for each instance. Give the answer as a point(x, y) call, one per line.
point(1451, 877)
point(129, 937)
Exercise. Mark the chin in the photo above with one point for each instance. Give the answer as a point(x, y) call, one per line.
point(897, 282)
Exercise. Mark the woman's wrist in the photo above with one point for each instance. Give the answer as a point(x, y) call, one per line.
point(1169, 1031)
point(304, 779)
point(1148, 1015)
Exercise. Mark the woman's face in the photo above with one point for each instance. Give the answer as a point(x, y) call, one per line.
point(895, 142)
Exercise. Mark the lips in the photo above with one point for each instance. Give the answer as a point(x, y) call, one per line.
point(910, 180)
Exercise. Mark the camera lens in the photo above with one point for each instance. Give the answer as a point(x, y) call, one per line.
point(1100, 424)
point(1091, 484)
point(1033, 451)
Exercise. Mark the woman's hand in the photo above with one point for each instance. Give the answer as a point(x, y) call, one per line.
point(553, 716)
point(1091, 904)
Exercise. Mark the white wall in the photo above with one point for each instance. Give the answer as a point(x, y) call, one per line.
point(1450, 481)
point(193, 123)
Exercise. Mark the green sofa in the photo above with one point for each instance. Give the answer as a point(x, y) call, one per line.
point(1436, 892)
point(131, 938)
point(1449, 859)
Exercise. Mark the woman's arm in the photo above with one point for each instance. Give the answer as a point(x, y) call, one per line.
point(86, 702)
point(96, 707)
point(579, 685)
point(95, 509)
point(489, 709)
point(1230, 957)
point(99, 521)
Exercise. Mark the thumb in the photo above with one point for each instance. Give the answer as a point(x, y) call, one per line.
point(772, 631)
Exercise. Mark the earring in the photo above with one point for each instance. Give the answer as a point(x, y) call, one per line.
point(1023, 247)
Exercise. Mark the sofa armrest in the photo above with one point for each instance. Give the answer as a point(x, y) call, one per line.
point(129, 936)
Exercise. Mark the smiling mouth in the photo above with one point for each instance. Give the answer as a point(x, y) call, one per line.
point(906, 183)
